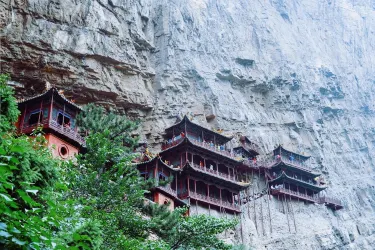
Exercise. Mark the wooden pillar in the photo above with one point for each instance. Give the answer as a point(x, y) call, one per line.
point(220, 196)
point(188, 185)
point(23, 118)
point(192, 158)
point(208, 190)
point(181, 160)
point(232, 198)
point(50, 109)
point(195, 186)
point(217, 168)
point(204, 162)
point(63, 116)
point(176, 183)
point(75, 124)
point(156, 173)
point(40, 112)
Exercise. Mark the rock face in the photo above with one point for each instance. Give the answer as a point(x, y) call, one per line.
point(299, 73)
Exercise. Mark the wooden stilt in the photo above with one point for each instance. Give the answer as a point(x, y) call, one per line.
point(261, 205)
point(268, 202)
point(291, 208)
point(287, 216)
point(255, 214)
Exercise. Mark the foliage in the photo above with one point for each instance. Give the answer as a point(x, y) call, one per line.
point(95, 119)
point(8, 105)
point(109, 194)
point(188, 232)
point(27, 174)
point(93, 202)
point(198, 231)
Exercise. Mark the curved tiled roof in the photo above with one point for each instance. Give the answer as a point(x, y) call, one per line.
point(240, 185)
point(186, 119)
point(187, 140)
point(284, 176)
point(304, 170)
point(158, 158)
point(291, 152)
point(50, 91)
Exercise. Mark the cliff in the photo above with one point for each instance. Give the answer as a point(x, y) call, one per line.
point(298, 73)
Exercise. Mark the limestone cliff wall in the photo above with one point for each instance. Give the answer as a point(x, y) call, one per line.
point(295, 72)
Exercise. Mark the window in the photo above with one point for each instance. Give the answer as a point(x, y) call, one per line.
point(34, 117)
point(144, 175)
point(63, 120)
point(64, 151)
point(162, 177)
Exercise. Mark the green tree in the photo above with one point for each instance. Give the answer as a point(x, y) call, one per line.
point(28, 174)
point(8, 105)
point(95, 119)
point(93, 202)
point(188, 232)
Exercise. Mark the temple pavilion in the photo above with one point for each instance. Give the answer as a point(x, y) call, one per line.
point(206, 171)
point(289, 176)
point(56, 116)
point(292, 177)
point(158, 170)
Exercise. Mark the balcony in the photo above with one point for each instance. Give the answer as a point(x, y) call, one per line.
point(250, 164)
point(171, 143)
point(331, 202)
point(294, 194)
point(53, 125)
point(210, 146)
point(215, 148)
point(304, 183)
point(167, 189)
point(67, 131)
point(295, 164)
point(215, 201)
point(251, 147)
point(214, 172)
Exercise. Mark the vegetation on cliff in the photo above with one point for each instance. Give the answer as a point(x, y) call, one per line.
point(93, 202)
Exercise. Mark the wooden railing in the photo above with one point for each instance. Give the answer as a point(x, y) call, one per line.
point(294, 194)
point(251, 146)
point(214, 172)
point(214, 201)
point(251, 164)
point(172, 143)
point(309, 183)
point(168, 190)
point(52, 124)
point(332, 201)
point(270, 162)
point(67, 131)
point(214, 148)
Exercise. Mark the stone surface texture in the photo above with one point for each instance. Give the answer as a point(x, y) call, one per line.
point(295, 72)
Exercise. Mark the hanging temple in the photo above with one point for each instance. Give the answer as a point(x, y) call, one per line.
point(208, 175)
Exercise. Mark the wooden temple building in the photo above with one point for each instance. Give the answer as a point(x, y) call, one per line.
point(207, 173)
point(210, 175)
point(289, 176)
point(56, 116)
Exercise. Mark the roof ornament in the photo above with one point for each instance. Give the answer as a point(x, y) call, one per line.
point(48, 85)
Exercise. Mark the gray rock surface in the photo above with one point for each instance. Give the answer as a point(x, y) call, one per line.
point(300, 73)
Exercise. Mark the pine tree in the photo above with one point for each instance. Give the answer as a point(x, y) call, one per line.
point(95, 119)
point(8, 105)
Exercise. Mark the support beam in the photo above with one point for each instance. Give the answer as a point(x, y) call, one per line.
point(188, 185)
